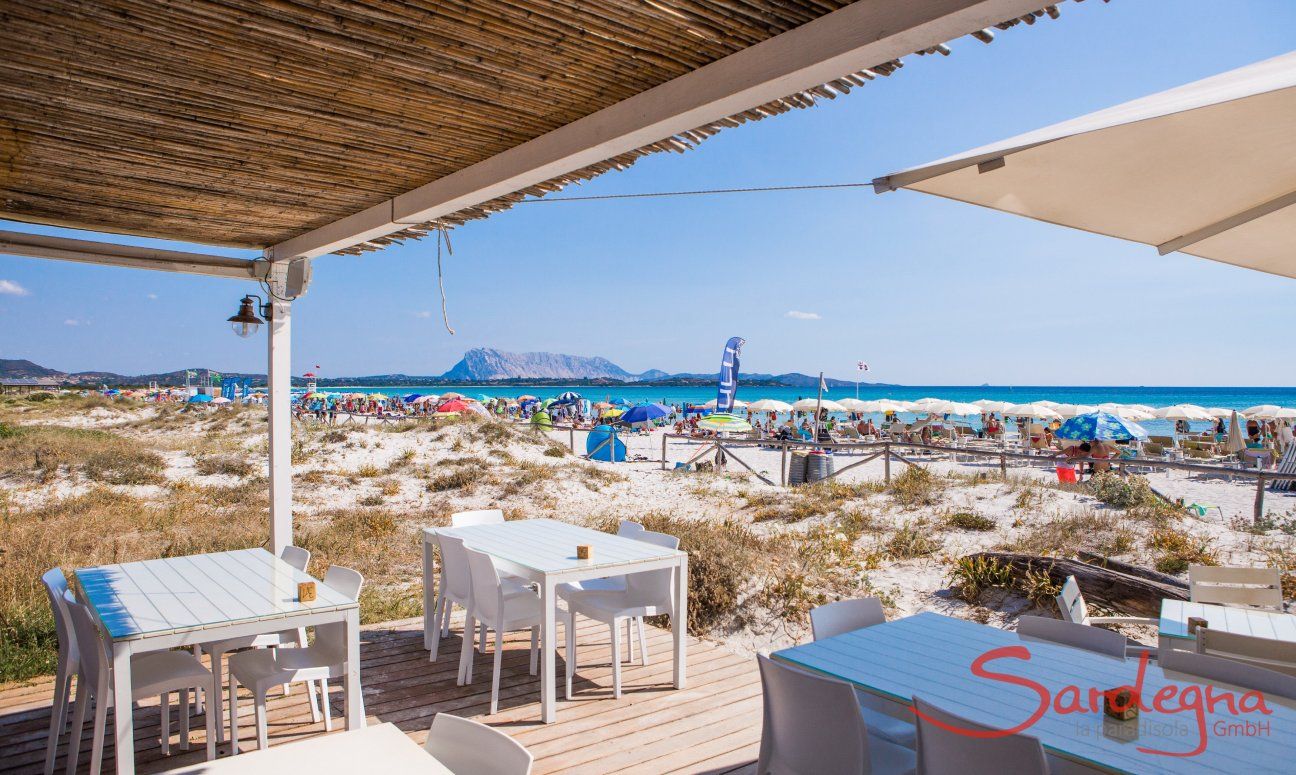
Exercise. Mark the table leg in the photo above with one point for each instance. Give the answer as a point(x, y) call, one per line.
point(679, 621)
point(548, 639)
point(123, 723)
point(355, 715)
point(429, 616)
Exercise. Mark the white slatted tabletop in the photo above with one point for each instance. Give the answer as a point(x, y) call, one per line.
point(544, 551)
point(179, 594)
point(1274, 625)
point(930, 656)
point(379, 748)
point(549, 546)
point(154, 605)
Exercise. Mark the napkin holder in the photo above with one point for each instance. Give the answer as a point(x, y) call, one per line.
point(584, 552)
point(1120, 704)
point(306, 592)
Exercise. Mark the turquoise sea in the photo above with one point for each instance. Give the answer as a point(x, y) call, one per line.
point(1226, 397)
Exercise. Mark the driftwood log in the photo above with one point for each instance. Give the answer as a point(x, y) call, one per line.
point(1131, 570)
point(1124, 593)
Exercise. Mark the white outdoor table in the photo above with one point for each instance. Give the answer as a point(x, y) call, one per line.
point(544, 551)
point(157, 605)
point(1173, 628)
point(930, 656)
point(379, 748)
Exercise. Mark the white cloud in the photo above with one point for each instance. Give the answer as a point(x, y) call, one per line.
point(153, 296)
point(71, 322)
point(423, 313)
point(11, 288)
point(796, 315)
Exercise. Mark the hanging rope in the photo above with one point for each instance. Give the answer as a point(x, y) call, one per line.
point(442, 235)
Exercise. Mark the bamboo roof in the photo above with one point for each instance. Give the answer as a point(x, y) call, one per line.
point(247, 122)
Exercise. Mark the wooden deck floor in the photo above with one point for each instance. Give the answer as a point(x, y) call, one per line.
point(712, 726)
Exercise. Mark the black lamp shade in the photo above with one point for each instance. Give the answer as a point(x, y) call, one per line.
point(246, 322)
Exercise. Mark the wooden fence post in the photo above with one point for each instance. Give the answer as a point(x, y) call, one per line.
point(783, 466)
point(571, 436)
point(1259, 499)
point(1003, 464)
point(664, 451)
point(886, 464)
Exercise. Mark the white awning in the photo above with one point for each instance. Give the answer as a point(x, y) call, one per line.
point(1208, 168)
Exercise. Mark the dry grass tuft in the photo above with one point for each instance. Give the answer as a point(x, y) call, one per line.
point(41, 452)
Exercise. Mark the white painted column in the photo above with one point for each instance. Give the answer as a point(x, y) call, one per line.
point(279, 377)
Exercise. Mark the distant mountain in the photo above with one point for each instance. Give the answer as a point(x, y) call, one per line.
point(479, 366)
point(485, 364)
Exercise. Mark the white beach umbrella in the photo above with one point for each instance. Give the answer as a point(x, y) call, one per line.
point(854, 405)
point(884, 405)
point(736, 404)
point(1220, 413)
point(1145, 407)
point(1049, 404)
point(1235, 442)
point(1074, 410)
point(1034, 411)
point(988, 405)
point(1285, 413)
point(1205, 168)
point(808, 405)
point(769, 405)
point(1183, 412)
point(1261, 412)
point(1127, 412)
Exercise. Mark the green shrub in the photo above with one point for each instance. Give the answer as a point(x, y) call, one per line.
point(969, 520)
point(971, 576)
point(912, 539)
point(1123, 492)
point(230, 465)
point(1175, 550)
point(916, 487)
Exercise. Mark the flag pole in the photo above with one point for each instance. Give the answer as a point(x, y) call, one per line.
point(818, 404)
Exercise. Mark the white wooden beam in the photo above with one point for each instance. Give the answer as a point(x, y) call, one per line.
point(861, 35)
point(279, 382)
point(90, 252)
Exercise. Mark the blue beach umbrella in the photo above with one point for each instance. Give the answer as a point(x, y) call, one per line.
point(621, 402)
point(644, 413)
point(1101, 426)
point(409, 399)
point(567, 398)
point(200, 398)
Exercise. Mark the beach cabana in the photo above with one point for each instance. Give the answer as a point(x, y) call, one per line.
point(1205, 169)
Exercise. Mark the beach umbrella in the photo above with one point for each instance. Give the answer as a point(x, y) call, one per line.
point(736, 404)
point(1133, 413)
point(644, 413)
point(567, 398)
point(723, 421)
point(200, 398)
point(1050, 404)
point(412, 397)
point(454, 406)
point(220, 400)
point(1183, 412)
point(378, 397)
point(476, 408)
point(987, 405)
point(884, 405)
point(808, 405)
point(542, 420)
point(1261, 412)
point(451, 396)
point(1032, 411)
point(613, 412)
point(961, 409)
point(1220, 413)
point(526, 397)
point(1204, 168)
point(769, 405)
point(622, 402)
point(603, 405)
point(852, 405)
point(1074, 410)
point(1100, 426)
point(1235, 443)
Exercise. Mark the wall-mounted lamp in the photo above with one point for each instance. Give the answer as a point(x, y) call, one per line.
point(246, 322)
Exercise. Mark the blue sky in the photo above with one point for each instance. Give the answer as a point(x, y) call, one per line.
point(927, 291)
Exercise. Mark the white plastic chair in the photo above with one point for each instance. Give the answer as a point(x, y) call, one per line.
point(1094, 639)
point(158, 673)
point(832, 619)
point(479, 517)
point(843, 616)
point(648, 593)
point(1230, 671)
point(1257, 587)
point(626, 529)
point(501, 608)
point(1264, 653)
point(467, 747)
point(298, 558)
point(260, 669)
point(1071, 604)
point(56, 589)
point(945, 752)
point(812, 726)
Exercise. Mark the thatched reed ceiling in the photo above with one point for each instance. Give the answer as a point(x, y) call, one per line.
point(246, 122)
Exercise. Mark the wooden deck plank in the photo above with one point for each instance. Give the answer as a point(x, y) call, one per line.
point(713, 724)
